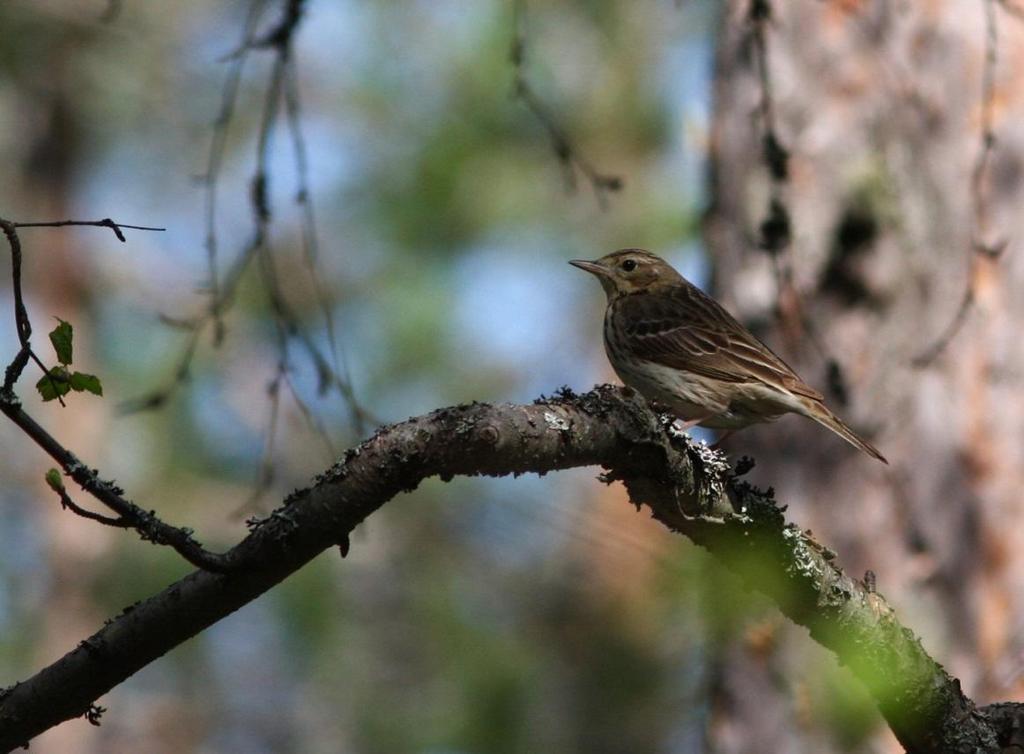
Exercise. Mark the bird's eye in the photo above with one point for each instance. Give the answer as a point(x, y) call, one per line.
point(629, 265)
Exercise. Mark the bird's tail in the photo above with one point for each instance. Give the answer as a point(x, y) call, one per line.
point(821, 414)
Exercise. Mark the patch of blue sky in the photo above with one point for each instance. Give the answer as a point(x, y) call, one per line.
point(20, 534)
point(514, 306)
point(340, 42)
point(684, 78)
point(689, 678)
point(412, 395)
point(133, 342)
point(234, 442)
point(360, 333)
point(132, 185)
point(25, 567)
point(350, 35)
point(8, 336)
point(691, 260)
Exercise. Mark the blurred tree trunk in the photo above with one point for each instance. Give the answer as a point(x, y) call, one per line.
point(880, 108)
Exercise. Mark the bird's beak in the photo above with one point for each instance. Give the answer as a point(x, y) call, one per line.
point(591, 267)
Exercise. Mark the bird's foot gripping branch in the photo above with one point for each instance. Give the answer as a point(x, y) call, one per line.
point(687, 486)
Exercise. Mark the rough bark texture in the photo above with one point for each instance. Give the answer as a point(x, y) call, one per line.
point(881, 109)
point(688, 487)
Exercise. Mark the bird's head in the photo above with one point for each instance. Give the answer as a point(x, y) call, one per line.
point(629, 271)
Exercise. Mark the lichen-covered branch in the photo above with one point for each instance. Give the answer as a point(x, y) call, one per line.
point(688, 488)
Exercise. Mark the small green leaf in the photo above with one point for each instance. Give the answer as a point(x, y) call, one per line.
point(54, 384)
point(54, 480)
point(61, 337)
point(81, 381)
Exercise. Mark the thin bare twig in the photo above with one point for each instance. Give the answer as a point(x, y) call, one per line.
point(68, 504)
point(130, 515)
point(22, 323)
point(146, 523)
point(105, 223)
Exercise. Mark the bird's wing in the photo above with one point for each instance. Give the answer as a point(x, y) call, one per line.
point(688, 330)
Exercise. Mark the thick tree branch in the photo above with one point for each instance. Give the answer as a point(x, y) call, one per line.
point(687, 487)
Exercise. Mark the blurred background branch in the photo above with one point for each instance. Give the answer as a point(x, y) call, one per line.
point(566, 151)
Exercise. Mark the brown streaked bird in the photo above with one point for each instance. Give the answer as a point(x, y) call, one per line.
point(676, 345)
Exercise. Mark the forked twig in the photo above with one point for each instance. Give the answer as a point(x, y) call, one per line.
point(147, 524)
